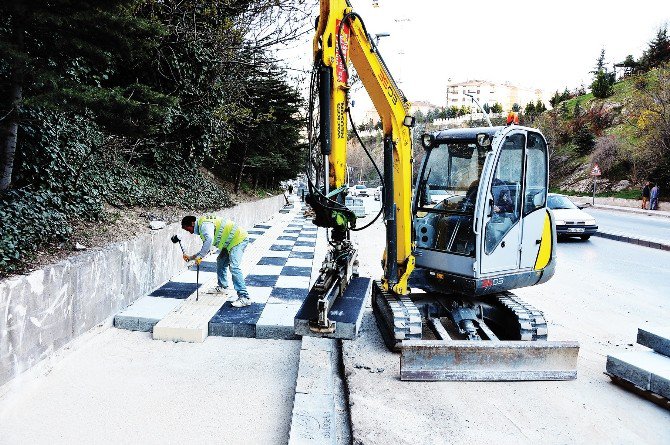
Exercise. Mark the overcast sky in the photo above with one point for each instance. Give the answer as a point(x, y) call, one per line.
point(536, 44)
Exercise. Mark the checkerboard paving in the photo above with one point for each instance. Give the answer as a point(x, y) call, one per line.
point(278, 266)
point(278, 284)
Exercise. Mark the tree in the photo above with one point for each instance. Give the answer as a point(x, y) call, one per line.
point(540, 107)
point(66, 55)
point(658, 51)
point(487, 108)
point(530, 108)
point(602, 85)
point(516, 107)
point(496, 108)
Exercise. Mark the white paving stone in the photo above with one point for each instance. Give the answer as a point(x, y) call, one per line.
point(292, 281)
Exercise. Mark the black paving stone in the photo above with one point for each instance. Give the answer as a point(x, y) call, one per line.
point(261, 280)
point(303, 255)
point(272, 261)
point(296, 271)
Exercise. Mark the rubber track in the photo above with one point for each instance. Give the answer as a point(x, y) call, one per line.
point(532, 325)
point(402, 314)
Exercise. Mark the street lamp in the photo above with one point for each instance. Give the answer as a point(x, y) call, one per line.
point(380, 35)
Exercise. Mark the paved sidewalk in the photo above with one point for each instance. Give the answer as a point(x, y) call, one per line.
point(277, 266)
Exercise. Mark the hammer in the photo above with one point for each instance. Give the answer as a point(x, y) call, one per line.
point(175, 239)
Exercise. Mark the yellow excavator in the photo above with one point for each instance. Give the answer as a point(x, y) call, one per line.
point(472, 226)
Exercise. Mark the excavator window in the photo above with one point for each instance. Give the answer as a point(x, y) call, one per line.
point(506, 191)
point(448, 192)
point(536, 173)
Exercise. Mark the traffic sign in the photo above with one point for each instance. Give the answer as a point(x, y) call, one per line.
point(596, 170)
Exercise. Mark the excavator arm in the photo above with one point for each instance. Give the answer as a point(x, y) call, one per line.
point(341, 40)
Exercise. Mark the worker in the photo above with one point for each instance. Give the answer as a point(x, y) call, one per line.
point(231, 240)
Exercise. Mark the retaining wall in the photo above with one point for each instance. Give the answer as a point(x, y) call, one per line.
point(44, 310)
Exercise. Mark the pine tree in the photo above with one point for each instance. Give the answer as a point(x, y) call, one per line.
point(658, 51)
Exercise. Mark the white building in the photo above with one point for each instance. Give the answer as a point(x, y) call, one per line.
point(487, 92)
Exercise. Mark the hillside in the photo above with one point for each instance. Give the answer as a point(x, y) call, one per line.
point(626, 134)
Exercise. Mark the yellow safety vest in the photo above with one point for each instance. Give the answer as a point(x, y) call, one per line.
point(227, 234)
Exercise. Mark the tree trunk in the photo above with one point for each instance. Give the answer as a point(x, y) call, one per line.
point(9, 135)
point(243, 160)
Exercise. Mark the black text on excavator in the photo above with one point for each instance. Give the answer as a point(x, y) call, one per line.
point(475, 227)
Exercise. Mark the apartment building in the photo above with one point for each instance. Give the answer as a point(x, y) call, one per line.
point(487, 92)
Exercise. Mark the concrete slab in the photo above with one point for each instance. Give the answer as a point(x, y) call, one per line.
point(638, 367)
point(313, 420)
point(315, 372)
point(657, 338)
point(276, 321)
point(346, 312)
point(144, 313)
point(190, 321)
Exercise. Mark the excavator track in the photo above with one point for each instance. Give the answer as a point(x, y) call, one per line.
point(532, 324)
point(399, 318)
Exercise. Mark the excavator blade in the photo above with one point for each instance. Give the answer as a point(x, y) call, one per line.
point(464, 360)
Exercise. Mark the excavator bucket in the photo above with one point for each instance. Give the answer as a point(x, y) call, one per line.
point(462, 360)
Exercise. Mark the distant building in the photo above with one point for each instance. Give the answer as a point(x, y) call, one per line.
point(422, 106)
point(487, 92)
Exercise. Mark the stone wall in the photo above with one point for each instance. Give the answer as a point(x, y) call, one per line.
point(44, 310)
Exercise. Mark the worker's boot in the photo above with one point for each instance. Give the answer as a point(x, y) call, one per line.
point(241, 302)
point(219, 290)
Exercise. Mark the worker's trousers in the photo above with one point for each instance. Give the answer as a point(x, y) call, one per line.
point(232, 259)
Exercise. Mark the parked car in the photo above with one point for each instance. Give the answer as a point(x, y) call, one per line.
point(359, 190)
point(570, 219)
point(378, 193)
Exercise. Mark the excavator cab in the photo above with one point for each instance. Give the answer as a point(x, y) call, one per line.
point(481, 225)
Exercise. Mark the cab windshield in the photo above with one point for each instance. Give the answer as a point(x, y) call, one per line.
point(451, 176)
point(446, 198)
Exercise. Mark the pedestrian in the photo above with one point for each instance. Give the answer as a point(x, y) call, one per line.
point(231, 240)
point(645, 195)
point(290, 189)
point(653, 197)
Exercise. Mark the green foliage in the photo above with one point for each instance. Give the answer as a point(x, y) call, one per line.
point(496, 108)
point(602, 84)
point(29, 220)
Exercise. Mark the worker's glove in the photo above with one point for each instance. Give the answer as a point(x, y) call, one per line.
point(198, 260)
point(186, 258)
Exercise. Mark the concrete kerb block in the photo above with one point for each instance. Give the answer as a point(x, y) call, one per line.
point(313, 420)
point(315, 372)
point(641, 368)
point(657, 338)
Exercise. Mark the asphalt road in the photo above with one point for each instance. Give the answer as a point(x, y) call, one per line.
point(632, 224)
point(602, 292)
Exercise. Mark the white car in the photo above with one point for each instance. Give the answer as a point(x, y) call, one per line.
point(570, 219)
point(358, 190)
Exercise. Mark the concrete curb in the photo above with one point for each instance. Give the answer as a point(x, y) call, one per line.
point(654, 244)
point(314, 415)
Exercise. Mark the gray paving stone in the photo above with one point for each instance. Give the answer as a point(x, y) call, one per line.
point(656, 338)
point(276, 321)
point(144, 313)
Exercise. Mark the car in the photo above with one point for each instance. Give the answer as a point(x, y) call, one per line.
point(378, 193)
point(570, 219)
point(359, 190)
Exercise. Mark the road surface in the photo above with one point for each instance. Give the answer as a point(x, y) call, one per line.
point(643, 226)
point(602, 291)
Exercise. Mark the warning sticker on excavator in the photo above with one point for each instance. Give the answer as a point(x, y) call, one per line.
point(343, 43)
